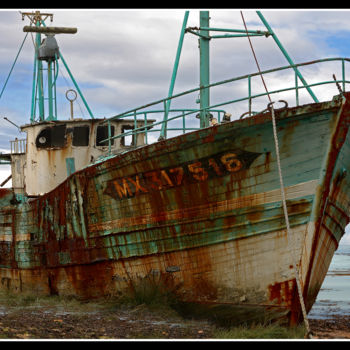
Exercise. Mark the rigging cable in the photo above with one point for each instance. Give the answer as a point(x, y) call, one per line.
point(296, 272)
point(8, 77)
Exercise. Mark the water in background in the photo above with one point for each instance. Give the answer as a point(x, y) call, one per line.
point(334, 296)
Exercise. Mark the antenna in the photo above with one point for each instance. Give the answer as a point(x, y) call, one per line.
point(36, 17)
point(19, 129)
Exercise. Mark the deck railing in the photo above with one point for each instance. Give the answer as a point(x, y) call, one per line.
point(218, 108)
point(18, 146)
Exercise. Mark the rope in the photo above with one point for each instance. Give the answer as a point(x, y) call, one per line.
point(8, 77)
point(256, 61)
point(291, 248)
point(283, 195)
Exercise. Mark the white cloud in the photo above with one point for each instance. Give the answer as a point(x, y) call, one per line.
point(123, 58)
point(346, 238)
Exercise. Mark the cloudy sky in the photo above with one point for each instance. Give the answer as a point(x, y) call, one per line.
point(124, 58)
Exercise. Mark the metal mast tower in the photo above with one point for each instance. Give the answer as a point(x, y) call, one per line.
point(47, 50)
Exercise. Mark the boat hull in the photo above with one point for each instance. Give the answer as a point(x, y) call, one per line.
point(199, 214)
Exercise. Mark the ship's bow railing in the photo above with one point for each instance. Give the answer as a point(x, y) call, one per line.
point(169, 123)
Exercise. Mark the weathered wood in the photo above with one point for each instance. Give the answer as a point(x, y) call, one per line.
point(50, 30)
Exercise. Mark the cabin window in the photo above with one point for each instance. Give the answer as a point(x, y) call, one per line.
point(129, 139)
point(102, 134)
point(52, 137)
point(81, 135)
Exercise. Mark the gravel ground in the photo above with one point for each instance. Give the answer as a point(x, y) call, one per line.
point(123, 323)
point(337, 327)
point(96, 322)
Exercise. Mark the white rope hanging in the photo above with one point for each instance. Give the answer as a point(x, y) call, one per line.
point(289, 234)
point(283, 196)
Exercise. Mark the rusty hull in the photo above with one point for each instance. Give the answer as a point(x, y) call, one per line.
point(200, 214)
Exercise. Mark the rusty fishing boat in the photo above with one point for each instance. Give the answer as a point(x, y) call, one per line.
point(239, 215)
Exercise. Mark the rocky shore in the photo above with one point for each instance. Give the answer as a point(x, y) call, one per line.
point(337, 327)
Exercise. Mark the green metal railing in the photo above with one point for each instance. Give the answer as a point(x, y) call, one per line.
point(149, 125)
point(217, 108)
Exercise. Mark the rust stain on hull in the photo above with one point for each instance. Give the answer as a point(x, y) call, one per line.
point(200, 214)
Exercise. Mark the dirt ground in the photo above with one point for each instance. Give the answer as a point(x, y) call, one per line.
point(93, 322)
point(335, 328)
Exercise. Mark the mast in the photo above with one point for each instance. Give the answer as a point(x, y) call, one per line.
point(203, 32)
point(204, 68)
point(47, 50)
point(36, 19)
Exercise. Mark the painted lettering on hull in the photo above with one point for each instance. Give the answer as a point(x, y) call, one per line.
point(199, 170)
